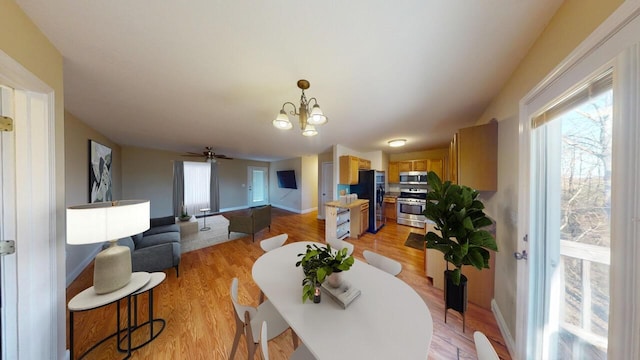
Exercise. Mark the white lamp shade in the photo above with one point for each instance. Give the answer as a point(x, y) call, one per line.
point(282, 121)
point(106, 221)
point(309, 130)
point(317, 117)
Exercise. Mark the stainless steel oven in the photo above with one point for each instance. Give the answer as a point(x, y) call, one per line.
point(411, 204)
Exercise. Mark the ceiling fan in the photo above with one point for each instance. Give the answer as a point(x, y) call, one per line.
point(208, 155)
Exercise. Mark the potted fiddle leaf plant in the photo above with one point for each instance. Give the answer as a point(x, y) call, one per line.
point(458, 215)
point(318, 263)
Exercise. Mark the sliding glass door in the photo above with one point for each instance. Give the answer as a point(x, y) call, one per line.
point(571, 225)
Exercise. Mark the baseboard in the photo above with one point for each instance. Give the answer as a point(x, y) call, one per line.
point(297, 211)
point(306, 211)
point(502, 325)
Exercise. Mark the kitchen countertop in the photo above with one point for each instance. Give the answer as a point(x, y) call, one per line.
point(352, 204)
point(392, 194)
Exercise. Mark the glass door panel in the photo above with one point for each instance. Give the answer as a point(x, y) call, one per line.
point(572, 217)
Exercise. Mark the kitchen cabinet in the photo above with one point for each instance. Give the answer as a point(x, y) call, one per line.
point(393, 173)
point(349, 169)
point(420, 165)
point(337, 222)
point(396, 167)
point(474, 156)
point(404, 166)
point(364, 164)
point(437, 166)
point(390, 210)
point(358, 219)
point(364, 218)
point(349, 166)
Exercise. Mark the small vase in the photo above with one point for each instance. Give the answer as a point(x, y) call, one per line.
point(335, 279)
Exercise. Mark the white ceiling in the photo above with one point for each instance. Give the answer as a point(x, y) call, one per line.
point(182, 75)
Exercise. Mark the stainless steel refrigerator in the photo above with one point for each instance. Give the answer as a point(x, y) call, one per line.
point(371, 186)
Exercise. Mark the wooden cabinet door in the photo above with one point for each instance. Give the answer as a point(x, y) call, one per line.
point(390, 211)
point(405, 166)
point(437, 166)
point(394, 172)
point(364, 218)
point(364, 164)
point(348, 170)
point(453, 160)
point(420, 165)
point(478, 157)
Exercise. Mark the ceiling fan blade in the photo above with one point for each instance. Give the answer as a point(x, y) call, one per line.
point(220, 156)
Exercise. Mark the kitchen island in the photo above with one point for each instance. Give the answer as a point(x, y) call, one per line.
point(346, 219)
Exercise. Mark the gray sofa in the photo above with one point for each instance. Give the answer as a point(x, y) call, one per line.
point(156, 249)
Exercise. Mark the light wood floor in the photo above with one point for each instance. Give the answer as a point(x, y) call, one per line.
point(200, 319)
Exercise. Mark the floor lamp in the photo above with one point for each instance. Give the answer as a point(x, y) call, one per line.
point(108, 221)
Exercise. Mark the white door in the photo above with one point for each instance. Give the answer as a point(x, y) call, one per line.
point(258, 188)
point(569, 230)
point(326, 187)
point(8, 284)
point(32, 280)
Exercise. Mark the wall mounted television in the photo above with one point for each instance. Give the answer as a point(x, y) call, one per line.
point(286, 179)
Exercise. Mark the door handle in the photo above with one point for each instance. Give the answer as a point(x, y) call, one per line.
point(521, 255)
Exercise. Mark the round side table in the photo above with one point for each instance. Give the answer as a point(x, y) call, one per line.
point(156, 279)
point(89, 300)
point(205, 211)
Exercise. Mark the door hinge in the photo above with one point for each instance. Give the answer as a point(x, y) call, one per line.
point(7, 247)
point(6, 123)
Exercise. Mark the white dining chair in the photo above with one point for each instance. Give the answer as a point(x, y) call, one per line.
point(341, 244)
point(249, 319)
point(273, 242)
point(382, 262)
point(269, 244)
point(301, 353)
point(484, 349)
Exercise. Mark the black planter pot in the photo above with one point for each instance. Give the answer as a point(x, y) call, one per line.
point(455, 296)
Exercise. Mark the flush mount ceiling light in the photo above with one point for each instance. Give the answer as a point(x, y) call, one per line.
point(397, 142)
point(309, 118)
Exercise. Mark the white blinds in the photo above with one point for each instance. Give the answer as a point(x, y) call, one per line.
point(577, 97)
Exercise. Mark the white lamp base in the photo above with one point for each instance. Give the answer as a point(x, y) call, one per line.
point(112, 269)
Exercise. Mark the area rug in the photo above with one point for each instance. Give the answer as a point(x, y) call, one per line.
point(415, 241)
point(217, 234)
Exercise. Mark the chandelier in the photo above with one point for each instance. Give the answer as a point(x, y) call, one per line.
point(309, 118)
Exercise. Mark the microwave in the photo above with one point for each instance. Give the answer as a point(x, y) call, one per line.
point(413, 177)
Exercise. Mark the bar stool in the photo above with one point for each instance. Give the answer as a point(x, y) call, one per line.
point(204, 213)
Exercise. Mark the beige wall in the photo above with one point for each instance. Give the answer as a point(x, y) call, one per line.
point(76, 156)
point(288, 199)
point(148, 174)
point(21, 40)
point(571, 24)
point(309, 200)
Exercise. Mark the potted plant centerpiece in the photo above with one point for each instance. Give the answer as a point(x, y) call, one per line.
point(459, 216)
point(184, 215)
point(318, 264)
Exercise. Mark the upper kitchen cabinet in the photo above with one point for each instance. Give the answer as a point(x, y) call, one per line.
point(364, 164)
point(474, 157)
point(394, 172)
point(437, 166)
point(349, 169)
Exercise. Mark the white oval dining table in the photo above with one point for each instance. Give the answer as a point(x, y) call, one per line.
point(389, 320)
